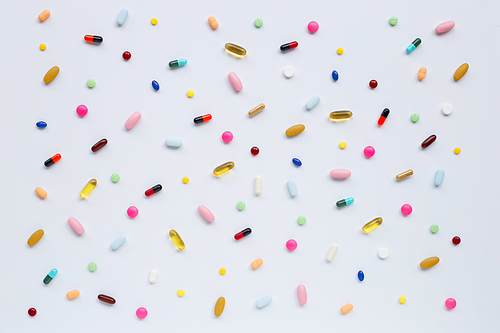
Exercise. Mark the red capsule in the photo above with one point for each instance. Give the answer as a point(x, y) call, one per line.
point(383, 116)
point(153, 190)
point(52, 160)
point(427, 142)
point(93, 39)
point(106, 299)
point(243, 233)
point(99, 144)
point(289, 46)
point(202, 119)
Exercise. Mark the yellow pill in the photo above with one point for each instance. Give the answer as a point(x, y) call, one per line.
point(340, 115)
point(180, 292)
point(41, 192)
point(51, 74)
point(421, 73)
point(35, 237)
point(346, 308)
point(177, 240)
point(219, 306)
point(340, 50)
point(294, 130)
point(402, 299)
point(256, 263)
point(342, 144)
point(457, 150)
point(460, 72)
point(429, 262)
point(89, 187)
point(235, 49)
point(43, 47)
point(373, 224)
point(154, 20)
point(185, 180)
point(222, 271)
point(190, 93)
point(73, 294)
point(223, 168)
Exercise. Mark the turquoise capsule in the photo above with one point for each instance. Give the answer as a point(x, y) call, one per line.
point(413, 45)
point(50, 276)
point(361, 275)
point(345, 202)
point(438, 179)
point(177, 63)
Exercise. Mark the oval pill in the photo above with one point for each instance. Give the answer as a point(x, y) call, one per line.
point(206, 213)
point(421, 73)
point(258, 185)
point(346, 308)
point(223, 168)
point(153, 276)
point(235, 49)
point(99, 144)
point(295, 129)
point(430, 140)
point(235, 81)
point(35, 237)
point(302, 294)
point(373, 224)
point(213, 22)
point(444, 27)
point(106, 299)
point(257, 263)
point(155, 84)
point(429, 262)
point(331, 252)
point(76, 225)
point(438, 178)
point(296, 161)
point(73, 294)
point(340, 173)
point(122, 16)
point(118, 242)
point(262, 302)
point(219, 306)
point(335, 75)
point(459, 73)
point(173, 142)
point(292, 188)
point(88, 188)
point(132, 120)
point(52, 73)
point(177, 240)
point(44, 15)
point(41, 124)
point(361, 276)
point(41, 192)
point(312, 102)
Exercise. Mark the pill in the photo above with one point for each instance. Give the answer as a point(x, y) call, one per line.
point(185, 179)
point(457, 150)
point(256, 110)
point(202, 119)
point(118, 242)
point(227, 137)
point(219, 306)
point(235, 49)
point(240, 205)
point(262, 302)
point(88, 188)
point(76, 225)
point(190, 93)
point(255, 151)
point(373, 224)
point(421, 73)
point(393, 20)
point(32, 312)
point(291, 245)
point(106, 299)
point(345, 202)
point(296, 161)
point(181, 292)
point(335, 75)
point(153, 276)
point(41, 124)
point(52, 73)
point(243, 233)
point(141, 313)
point(302, 294)
point(177, 240)
point(292, 188)
point(122, 16)
point(342, 144)
point(99, 144)
point(373, 84)
point(43, 47)
point(404, 174)
point(81, 110)
point(213, 22)
point(383, 253)
point(340, 173)
point(115, 177)
point(256, 263)
point(44, 15)
point(295, 129)
point(402, 299)
point(434, 228)
point(460, 72)
point(92, 266)
point(223, 168)
point(427, 142)
point(177, 63)
point(132, 211)
point(52, 160)
point(415, 117)
point(301, 220)
point(313, 26)
point(383, 116)
point(132, 120)
point(289, 46)
point(155, 189)
point(447, 109)
point(288, 72)
point(450, 303)
point(340, 51)
point(126, 55)
point(258, 22)
point(361, 276)
point(258, 185)
point(41, 192)
point(340, 115)
point(154, 21)
point(429, 262)
point(456, 240)
point(91, 83)
point(35, 237)
point(444, 27)
point(312, 102)
point(406, 209)
point(222, 271)
point(331, 252)
point(155, 85)
point(438, 178)
point(73, 294)
point(346, 308)
point(93, 39)
point(369, 151)
point(50, 276)
point(173, 142)
point(206, 213)
point(235, 81)
point(413, 45)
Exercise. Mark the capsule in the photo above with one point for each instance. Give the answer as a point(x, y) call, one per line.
point(289, 46)
point(404, 174)
point(202, 119)
point(50, 276)
point(340, 115)
point(256, 263)
point(106, 299)
point(413, 45)
point(427, 142)
point(258, 185)
point(153, 190)
point(383, 116)
point(235, 49)
point(99, 144)
point(93, 39)
point(373, 224)
point(345, 202)
point(177, 63)
point(88, 188)
point(177, 240)
point(223, 168)
point(243, 233)
point(331, 252)
point(52, 160)
point(256, 109)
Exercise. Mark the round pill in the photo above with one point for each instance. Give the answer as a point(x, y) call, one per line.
point(447, 109)
point(415, 117)
point(291, 244)
point(402, 299)
point(180, 292)
point(450, 303)
point(434, 228)
point(92, 266)
point(456, 240)
point(240, 205)
point(227, 136)
point(301, 220)
point(132, 211)
point(222, 271)
point(313, 26)
point(141, 313)
point(342, 144)
point(383, 253)
point(340, 50)
point(457, 150)
point(255, 150)
point(406, 209)
point(115, 177)
point(81, 110)
point(369, 151)
point(32, 312)
point(190, 93)
point(43, 47)
point(393, 20)
point(373, 84)
point(185, 180)
point(289, 71)
point(258, 22)
point(91, 83)
point(126, 55)
point(154, 20)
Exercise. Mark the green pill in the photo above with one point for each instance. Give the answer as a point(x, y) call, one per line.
point(91, 83)
point(240, 205)
point(92, 266)
point(115, 177)
point(301, 220)
point(434, 228)
point(393, 20)
point(415, 117)
point(258, 22)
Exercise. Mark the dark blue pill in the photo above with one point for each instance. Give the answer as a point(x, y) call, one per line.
point(41, 124)
point(361, 275)
point(335, 75)
point(296, 161)
point(156, 85)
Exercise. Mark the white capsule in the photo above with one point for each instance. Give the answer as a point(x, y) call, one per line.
point(153, 276)
point(331, 252)
point(258, 185)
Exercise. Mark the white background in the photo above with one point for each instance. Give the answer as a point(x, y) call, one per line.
point(464, 205)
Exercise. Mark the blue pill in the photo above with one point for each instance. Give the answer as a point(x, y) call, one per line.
point(41, 124)
point(292, 188)
point(122, 16)
point(438, 179)
point(296, 161)
point(262, 302)
point(156, 85)
point(118, 242)
point(361, 275)
point(173, 142)
point(312, 102)
point(335, 75)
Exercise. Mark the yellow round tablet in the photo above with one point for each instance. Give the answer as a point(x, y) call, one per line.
point(190, 93)
point(402, 299)
point(185, 180)
point(457, 150)
point(43, 47)
point(222, 271)
point(154, 20)
point(340, 50)
point(342, 144)
point(180, 292)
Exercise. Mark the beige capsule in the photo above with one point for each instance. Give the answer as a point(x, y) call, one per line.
point(404, 174)
point(256, 110)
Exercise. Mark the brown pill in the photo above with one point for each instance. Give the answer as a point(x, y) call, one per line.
point(256, 109)
point(427, 142)
point(99, 144)
point(106, 299)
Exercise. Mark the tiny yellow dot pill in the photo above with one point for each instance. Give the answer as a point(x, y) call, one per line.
point(154, 20)
point(185, 180)
point(457, 150)
point(340, 50)
point(190, 93)
point(222, 271)
point(402, 299)
point(342, 144)
point(180, 292)
point(43, 47)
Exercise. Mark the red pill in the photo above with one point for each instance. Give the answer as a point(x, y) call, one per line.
point(243, 233)
point(106, 299)
point(52, 160)
point(427, 142)
point(93, 39)
point(255, 150)
point(153, 190)
point(373, 84)
point(101, 143)
point(126, 55)
point(456, 240)
point(32, 312)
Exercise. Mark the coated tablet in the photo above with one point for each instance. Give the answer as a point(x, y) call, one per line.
point(312, 102)
point(118, 242)
point(262, 302)
point(173, 142)
point(153, 276)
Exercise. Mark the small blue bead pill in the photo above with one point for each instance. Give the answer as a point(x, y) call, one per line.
point(292, 188)
point(118, 242)
point(361, 275)
point(173, 142)
point(156, 85)
point(438, 179)
point(262, 302)
point(41, 124)
point(296, 161)
point(335, 75)
point(312, 102)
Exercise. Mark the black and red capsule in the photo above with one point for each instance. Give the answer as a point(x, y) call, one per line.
point(202, 119)
point(289, 46)
point(383, 116)
point(243, 233)
point(155, 189)
point(52, 160)
point(93, 39)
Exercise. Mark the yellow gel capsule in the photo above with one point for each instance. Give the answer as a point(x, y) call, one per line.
point(88, 188)
point(340, 115)
point(404, 174)
point(429, 262)
point(223, 168)
point(73, 294)
point(295, 129)
point(219, 306)
point(460, 72)
point(235, 49)
point(373, 224)
point(177, 240)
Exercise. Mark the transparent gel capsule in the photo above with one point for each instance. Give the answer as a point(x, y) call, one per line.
point(223, 168)
point(235, 49)
point(88, 188)
point(177, 240)
point(340, 115)
point(373, 224)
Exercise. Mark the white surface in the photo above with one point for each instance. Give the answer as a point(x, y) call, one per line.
point(463, 205)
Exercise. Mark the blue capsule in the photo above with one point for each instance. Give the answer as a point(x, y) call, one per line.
point(335, 75)
point(413, 45)
point(361, 275)
point(156, 85)
point(41, 124)
point(296, 161)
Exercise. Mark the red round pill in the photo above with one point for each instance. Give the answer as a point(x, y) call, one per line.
point(126, 55)
point(32, 312)
point(254, 150)
point(456, 240)
point(373, 84)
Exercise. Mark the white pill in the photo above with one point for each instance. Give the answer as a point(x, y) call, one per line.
point(153, 276)
point(447, 109)
point(292, 188)
point(258, 185)
point(383, 253)
point(289, 71)
point(331, 252)
point(118, 242)
point(312, 102)
point(173, 142)
point(262, 302)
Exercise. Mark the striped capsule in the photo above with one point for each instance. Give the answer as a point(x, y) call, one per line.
point(99, 144)
point(155, 189)
point(52, 160)
point(177, 63)
point(289, 46)
point(202, 119)
point(345, 202)
point(93, 39)
point(243, 233)
point(404, 174)
point(383, 116)
point(50, 276)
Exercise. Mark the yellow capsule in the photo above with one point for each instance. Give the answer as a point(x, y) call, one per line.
point(373, 224)
point(404, 174)
point(177, 240)
point(88, 188)
point(295, 129)
point(256, 109)
point(340, 115)
point(429, 262)
point(219, 306)
point(223, 168)
point(235, 49)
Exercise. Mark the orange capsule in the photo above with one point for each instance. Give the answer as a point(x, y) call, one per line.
point(44, 15)
point(256, 263)
point(421, 73)
point(213, 22)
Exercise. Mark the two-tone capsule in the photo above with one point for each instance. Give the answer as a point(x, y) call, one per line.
point(383, 116)
point(243, 233)
point(155, 189)
point(289, 46)
point(177, 63)
point(413, 45)
point(50, 276)
point(202, 119)
point(235, 49)
point(99, 144)
point(345, 202)
point(93, 39)
point(52, 160)
point(373, 224)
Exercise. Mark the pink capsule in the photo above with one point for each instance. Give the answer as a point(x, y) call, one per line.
point(235, 81)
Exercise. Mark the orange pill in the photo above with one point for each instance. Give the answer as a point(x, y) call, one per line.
point(73, 294)
point(213, 22)
point(44, 15)
point(256, 263)
point(35, 237)
point(41, 192)
point(429, 262)
point(421, 73)
point(346, 308)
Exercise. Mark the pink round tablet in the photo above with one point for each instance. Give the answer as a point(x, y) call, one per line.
point(81, 110)
point(450, 303)
point(444, 27)
point(291, 244)
point(369, 151)
point(76, 225)
point(235, 81)
point(406, 209)
point(227, 136)
point(340, 173)
point(132, 120)
point(132, 211)
point(206, 213)
point(141, 313)
point(313, 26)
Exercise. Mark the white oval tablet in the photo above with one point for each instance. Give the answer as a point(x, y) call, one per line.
point(122, 16)
point(383, 253)
point(438, 179)
point(118, 242)
point(173, 142)
point(292, 188)
point(258, 185)
point(262, 302)
point(331, 252)
point(447, 109)
point(153, 276)
point(312, 102)
point(289, 71)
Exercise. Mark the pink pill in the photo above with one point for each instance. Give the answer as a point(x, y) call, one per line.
point(444, 27)
point(340, 173)
point(141, 313)
point(235, 81)
point(81, 110)
point(206, 213)
point(369, 151)
point(132, 120)
point(450, 303)
point(76, 225)
point(132, 211)
point(302, 294)
point(406, 209)
point(291, 244)
point(227, 136)
point(313, 26)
